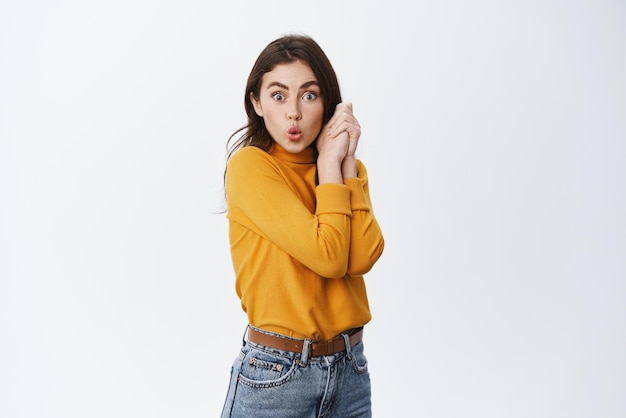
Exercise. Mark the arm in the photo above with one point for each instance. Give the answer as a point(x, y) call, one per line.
point(261, 200)
point(366, 239)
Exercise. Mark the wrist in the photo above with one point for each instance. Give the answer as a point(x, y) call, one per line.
point(329, 159)
point(348, 167)
point(329, 170)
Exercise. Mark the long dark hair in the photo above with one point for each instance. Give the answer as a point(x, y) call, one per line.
point(283, 50)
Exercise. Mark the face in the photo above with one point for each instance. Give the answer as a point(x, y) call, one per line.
point(289, 102)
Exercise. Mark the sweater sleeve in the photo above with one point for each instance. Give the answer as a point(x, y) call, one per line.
point(260, 199)
point(366, 240)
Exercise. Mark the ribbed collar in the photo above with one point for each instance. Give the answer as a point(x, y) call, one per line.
point(305, 157)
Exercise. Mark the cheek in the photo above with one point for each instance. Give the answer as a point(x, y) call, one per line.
point(321, 117)
point(319, 114)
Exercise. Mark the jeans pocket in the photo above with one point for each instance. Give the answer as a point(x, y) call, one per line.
point(260, 369)
point(359, 361)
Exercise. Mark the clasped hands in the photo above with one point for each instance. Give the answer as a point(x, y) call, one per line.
point(337, 143)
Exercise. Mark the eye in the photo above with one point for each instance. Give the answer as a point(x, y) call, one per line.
point(278, 96)
point(309, 95)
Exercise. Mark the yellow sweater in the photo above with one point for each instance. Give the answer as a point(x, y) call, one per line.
point(299, 251)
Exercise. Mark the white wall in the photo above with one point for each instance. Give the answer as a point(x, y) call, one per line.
point(494, 133)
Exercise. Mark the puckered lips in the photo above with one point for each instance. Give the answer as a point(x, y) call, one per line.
point(294, 133)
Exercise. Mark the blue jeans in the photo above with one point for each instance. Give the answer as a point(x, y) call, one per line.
point(272, 383)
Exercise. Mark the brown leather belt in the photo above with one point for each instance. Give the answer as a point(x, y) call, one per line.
point(318, 348)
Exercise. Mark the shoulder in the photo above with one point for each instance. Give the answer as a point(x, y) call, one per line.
point(249, 159)
point(248, 154)
point(249, 166)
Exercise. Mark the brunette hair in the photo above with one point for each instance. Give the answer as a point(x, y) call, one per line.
point(283, 50)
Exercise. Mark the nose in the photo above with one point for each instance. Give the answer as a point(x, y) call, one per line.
point(294, 113)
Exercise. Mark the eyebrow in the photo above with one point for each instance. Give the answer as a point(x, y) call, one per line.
point(282, 86)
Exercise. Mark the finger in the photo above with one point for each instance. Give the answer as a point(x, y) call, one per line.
point(351, 127)
point(343, 122)
point(343, 109)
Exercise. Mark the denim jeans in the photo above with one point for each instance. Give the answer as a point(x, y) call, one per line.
point(272, 383)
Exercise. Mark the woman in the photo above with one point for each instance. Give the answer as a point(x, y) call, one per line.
point(302, 236)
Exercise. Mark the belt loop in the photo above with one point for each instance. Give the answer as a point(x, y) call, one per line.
point(346, 338)
point(306, 351)
point(243, 338)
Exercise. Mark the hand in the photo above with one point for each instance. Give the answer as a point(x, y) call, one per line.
point(332, 149)
point(343, 121)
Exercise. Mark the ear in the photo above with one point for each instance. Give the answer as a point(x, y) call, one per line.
point(257, 105)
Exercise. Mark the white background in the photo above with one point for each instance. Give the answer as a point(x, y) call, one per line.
point(494, 133)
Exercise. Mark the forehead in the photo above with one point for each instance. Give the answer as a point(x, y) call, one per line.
point(290, 73)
